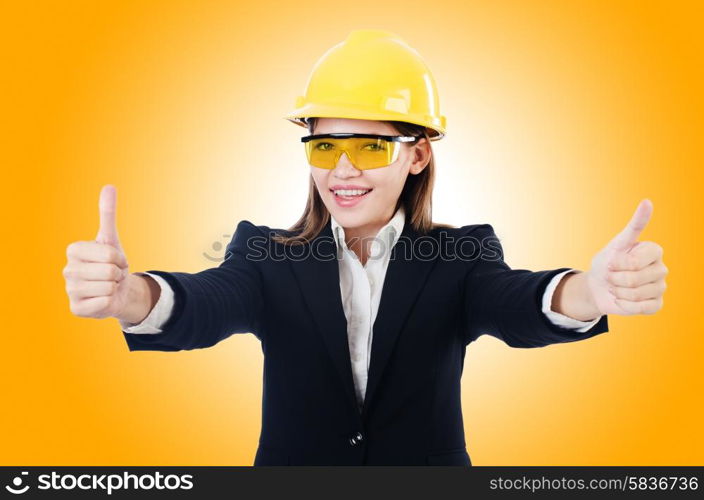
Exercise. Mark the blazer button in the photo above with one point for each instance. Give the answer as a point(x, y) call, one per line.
point(354, 440)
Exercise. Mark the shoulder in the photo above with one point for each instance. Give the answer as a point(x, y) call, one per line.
point(254, 241)
point(258, 234)
point(473, 230)
point(467, 243)
point(249, 227)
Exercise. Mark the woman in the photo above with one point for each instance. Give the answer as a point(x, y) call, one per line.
point(364, 307)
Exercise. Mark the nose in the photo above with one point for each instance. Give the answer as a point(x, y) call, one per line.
point(345, 168)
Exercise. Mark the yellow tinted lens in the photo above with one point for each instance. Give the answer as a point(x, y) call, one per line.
point(364, 153)
point(374, 153)
point(323, 153)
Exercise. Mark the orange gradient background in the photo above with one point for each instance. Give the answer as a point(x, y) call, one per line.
point(561, 117)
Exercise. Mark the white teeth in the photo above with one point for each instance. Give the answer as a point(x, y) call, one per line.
point(351, 192)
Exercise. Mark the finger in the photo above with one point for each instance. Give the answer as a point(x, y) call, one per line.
point(629, 235)
point(632, 279)
point(94, 271)
point(107, 206)
point(92, 251)
point(644, 292)
point(89, 306)
point(641, 307)
point(88, 289)
point(641, 255)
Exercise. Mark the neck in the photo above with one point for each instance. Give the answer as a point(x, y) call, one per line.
point(359, 239)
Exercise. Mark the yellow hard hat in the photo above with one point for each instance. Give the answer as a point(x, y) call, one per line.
point(372, 75)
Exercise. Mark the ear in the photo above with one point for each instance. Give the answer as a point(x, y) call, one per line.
point(420, 156)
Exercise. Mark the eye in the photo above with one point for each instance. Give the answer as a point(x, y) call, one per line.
point(323, 146)
point(374, 146)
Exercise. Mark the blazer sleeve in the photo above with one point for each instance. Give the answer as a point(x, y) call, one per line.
point(507, 303)
point(210, 305)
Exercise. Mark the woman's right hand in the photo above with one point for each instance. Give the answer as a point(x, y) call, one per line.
point(98, 282)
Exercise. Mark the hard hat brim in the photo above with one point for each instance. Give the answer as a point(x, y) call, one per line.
point(434, 127)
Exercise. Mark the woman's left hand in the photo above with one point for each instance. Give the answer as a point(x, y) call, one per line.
point(628, 276)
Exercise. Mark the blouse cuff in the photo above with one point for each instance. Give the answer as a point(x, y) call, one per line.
point(560, 319)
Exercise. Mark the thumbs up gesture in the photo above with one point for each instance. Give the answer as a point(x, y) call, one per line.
point(107, 232)
point(628, 276)
point(97, 277)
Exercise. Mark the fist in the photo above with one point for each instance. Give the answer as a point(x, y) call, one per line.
point(96, 274)
point(628, 276)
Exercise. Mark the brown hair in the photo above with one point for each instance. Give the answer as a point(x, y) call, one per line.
point(416, 197)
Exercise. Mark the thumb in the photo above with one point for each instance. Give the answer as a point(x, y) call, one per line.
point(108, 230)
point(629, 235)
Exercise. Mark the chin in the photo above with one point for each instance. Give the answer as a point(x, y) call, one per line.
point(350, 218)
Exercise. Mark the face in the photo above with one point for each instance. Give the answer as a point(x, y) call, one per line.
point(382, 185)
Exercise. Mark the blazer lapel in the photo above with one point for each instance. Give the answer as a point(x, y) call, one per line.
point(405, 277)
point(319, 278)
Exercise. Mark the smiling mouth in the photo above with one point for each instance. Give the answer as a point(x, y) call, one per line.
point(350, 194)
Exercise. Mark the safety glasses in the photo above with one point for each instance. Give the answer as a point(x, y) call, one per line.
point(365, 151)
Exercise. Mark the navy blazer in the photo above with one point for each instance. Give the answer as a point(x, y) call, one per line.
point(441, 291)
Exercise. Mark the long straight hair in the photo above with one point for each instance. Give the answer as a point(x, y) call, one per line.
point(416, 197)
